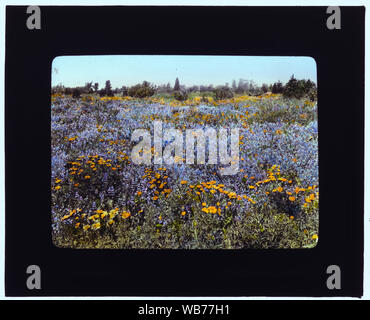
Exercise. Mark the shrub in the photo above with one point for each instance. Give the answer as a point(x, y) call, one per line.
point(277, 87)
point(108, 89)
point(67, 91)
point(223, 93)
point(177, 85)
point(142, 90)
point(124, 91)
point(264, 88)
point(180, 95)
point(298, 88)
point(76, 93)
point(296, 111)
point(312, 94)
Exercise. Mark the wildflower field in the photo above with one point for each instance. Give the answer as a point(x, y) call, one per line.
point(102, 199)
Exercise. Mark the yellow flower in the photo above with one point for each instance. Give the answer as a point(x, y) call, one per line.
point(57, 187)
point(183, 182)
point(212, 209)
point(125, 214)
point(183, 213)
point(251, 200)
point(315, 236)
point(292, 199)
point(96, 225)
point(139, 193)
point(87, 177)
point(77, 225)
point(86, 227)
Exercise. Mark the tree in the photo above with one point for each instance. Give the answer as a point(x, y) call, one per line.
point(108, 89)
point(264, 87)
point(299, 88)
point(142, 90)
point(277, 87)
point(88, 87)
point(76, 93)
point(96, 87)
point(177, 85)
point(124, 91)
point(68, 91)
point(223, 92)
point(240, 88)
point(168, 87)
point(233, 86)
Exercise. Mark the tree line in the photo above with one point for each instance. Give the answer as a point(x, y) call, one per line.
point(294, 88)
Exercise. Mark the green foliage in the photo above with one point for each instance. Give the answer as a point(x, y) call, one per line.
point(177, 85)
point(124, 91)
point(298, 88)
point(223, 93)
point(294, 111)
point(142, 90)
point(108, 89)
point(197, 230)
point(207, 94)
point(76, 93)
point(277, 87)
point(182, 219)
point(264, 88)
point(180, 95)
point(312, 94)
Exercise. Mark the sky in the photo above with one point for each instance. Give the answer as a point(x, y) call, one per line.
point(129, 70)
